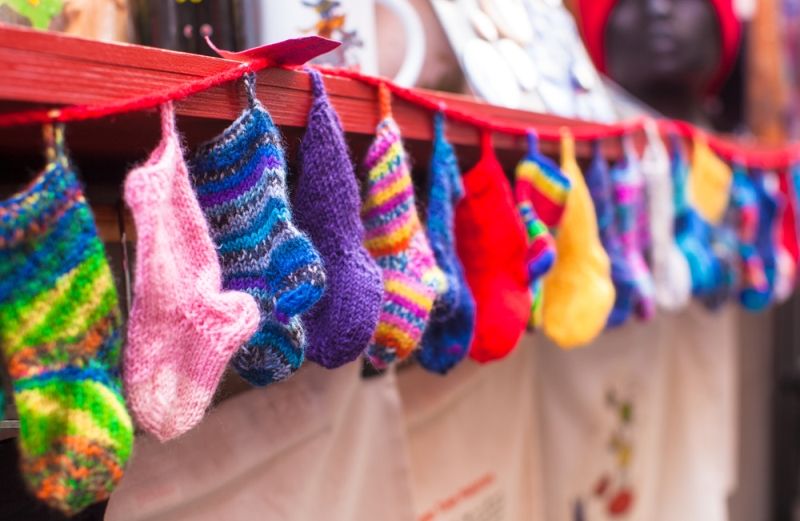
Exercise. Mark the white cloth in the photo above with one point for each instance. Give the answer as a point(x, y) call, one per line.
point(474, 440)
point(322, 445)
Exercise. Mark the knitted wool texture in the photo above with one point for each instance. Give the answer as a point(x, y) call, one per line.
point(492, 243)
point(598, 181)
point(540, 190)
point(60, 334)
point(326, 206)
point(182, 329)
point(578, 291)
point(395, 239)
point(671, 276)
point(449, 333)
point(631, 217)
point(240, 180)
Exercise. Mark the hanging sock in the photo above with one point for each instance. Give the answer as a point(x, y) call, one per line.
point(395, 239)
point(327, 206)
point(709, 183)
point(240, 180)
point(578, 292)
point(537, 178)
point(631, 217)
point(452, 322)
point(672, 279)
point(767, 192)
point(182, 329)
point(492, 244)
point(788, 252)
point(724, 248)
point(692, 234)
point(60, 333)
point(598, 181)
point(754, 292)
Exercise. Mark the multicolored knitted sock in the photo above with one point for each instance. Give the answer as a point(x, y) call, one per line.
point(724, 246)
point(692, 234)
point(754, 284)
point(765, 188)
point(631, 217)
point(494, 252)
point(397, 242)
point(788, 252)
point(327, 206)
point(240, 180)
point(539, 181)
point(60, 333)
point(182, 329)
point(578, 292)
point(672, 279)
point(452, 322)
point(599, 183)
point(542, 246)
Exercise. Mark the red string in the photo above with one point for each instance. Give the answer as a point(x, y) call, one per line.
point(749, 156)
point(147, 101)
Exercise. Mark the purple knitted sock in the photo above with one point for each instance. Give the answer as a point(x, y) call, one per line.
point(327, 207)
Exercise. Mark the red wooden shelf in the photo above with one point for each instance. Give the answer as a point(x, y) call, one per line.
point(51, 69)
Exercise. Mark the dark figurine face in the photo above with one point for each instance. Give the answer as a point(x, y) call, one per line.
point(662, 44)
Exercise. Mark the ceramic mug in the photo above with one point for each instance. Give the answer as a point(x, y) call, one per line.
point(351, 22)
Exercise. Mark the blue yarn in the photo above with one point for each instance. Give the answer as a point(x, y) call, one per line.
point(765, 241)
point(452, 321)
point(599, 182)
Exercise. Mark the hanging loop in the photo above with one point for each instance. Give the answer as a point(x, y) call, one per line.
point(384, 101)
point(250, 88)
point(53, 134)
point(317, 83)
point(167, 119)
point(533, 141)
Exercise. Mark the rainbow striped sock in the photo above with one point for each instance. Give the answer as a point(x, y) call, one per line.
point(397, 242)
point(60, 334)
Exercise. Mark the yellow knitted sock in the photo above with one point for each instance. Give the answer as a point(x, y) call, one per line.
point(578, 292)
point(710, 182)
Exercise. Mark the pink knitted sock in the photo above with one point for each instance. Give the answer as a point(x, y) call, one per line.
point(183, 329)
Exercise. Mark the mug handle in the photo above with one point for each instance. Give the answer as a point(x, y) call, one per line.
point(415, 41)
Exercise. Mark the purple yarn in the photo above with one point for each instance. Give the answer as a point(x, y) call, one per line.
point(326, 205)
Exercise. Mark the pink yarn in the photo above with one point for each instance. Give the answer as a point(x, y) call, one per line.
point(183, 329)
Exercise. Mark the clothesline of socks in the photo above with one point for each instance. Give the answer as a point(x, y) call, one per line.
point(233, 269)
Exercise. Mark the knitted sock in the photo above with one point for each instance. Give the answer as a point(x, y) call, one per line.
point(542, 247)
point(578, 292)
point(671, 277)
point(240, 180)
point(452, 322)
point(766, 189)
point(709, 183)
point(724, 248)
point(182, 329)
point(692, 234)
point(326, 206)
point(599, 183)
point(754, 286)
point(394, 237)
point(60, 336)
point(539, 179)
point(494, 252)
point(788, 252)
point(628, 182)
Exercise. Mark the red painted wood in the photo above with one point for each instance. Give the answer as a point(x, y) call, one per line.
point(54, 69)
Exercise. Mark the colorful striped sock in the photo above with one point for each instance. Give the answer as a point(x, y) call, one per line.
point(60, 330)
point(753, 278)
point(538, 178)
point(631, 217)
point(395, 239)
point(240, 180)
point(448, 336)
point(599, 182)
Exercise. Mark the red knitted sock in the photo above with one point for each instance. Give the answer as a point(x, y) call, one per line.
point(492, 245)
